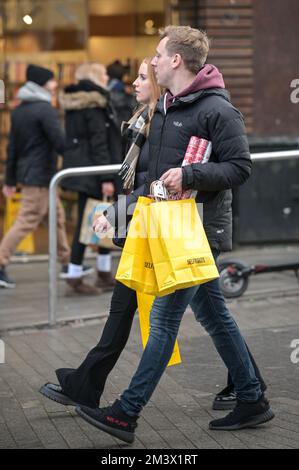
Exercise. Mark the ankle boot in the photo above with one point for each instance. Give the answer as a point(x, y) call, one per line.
point(105, 280)
point(80, 287)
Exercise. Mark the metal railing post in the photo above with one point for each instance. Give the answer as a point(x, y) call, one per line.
point(92, 170)
point(283, 155)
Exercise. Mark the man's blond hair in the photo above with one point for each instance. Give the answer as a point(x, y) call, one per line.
point(192, 45)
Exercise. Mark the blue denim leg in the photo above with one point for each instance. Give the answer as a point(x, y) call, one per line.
point(165, 319)
point(210, 310)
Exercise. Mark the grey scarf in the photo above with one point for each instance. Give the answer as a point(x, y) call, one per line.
point(31, 91)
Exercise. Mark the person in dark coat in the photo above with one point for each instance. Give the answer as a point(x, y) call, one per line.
point(93, 138)
point(123, 102)
point(85, 384)
point(35, 138)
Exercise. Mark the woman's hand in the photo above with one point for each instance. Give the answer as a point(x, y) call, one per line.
point(108, 189)
point(100, 225)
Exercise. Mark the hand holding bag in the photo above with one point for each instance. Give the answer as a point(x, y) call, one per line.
point(178, 244)
point(135, 269)
point(94, 208)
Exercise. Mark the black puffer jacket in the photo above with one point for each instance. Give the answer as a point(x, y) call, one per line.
point(35, 137)
point(142, 166)
point(205, 113)
point(93, 137)
point(208, 114)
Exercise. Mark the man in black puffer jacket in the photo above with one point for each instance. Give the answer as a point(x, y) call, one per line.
point(195, 104)
point(203, 109)
point(34, 139)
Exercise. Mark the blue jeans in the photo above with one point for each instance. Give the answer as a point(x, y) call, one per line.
point(208, 305)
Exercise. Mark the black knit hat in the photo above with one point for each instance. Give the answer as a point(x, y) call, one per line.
point(116, 70)
point(39, 75)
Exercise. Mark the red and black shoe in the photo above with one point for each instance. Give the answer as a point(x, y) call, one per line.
point(111, 419)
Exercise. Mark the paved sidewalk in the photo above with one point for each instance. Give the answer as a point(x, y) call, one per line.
point(28, 304)
point(180, 409)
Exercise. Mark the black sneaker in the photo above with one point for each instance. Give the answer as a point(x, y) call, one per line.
point(86, 270)
point(244, 415)
point(5, 281)
point(55, 393)
point(226, 399)
point(111, 419)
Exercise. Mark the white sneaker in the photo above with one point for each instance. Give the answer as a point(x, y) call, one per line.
point(86, 270)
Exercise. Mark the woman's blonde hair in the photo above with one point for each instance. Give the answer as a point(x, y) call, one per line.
point(155, 88)
point(90, 71)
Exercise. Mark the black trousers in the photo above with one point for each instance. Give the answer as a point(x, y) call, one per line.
point(86, 383)
point(78, 249)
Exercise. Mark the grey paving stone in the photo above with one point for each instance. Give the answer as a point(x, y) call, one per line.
point(6, 439)
point(226, 439)
point(149, 436)
point(71, 432)
point(44, 428)
point(198, 437)
point(157, 419)
point(175, 439)
point(261, 439)
point(18, 425)
point(98, 439)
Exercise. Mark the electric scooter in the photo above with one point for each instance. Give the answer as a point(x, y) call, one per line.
point(235, 274)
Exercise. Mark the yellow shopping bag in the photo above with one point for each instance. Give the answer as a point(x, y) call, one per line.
point(145, 303)
point(178, 244)
point(135, 268)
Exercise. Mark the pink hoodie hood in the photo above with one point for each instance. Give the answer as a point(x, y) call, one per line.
point(208, 77)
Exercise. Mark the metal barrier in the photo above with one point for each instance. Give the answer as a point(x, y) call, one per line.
point(92, 170)
point(102, 170)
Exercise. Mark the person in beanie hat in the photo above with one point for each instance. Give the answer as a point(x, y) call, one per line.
point(35, 137)
point(39, 75)
point(123, 103)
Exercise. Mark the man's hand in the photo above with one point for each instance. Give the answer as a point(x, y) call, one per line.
point(173, 180)
point(108, 189)
point(101, 225)
point(8, 191)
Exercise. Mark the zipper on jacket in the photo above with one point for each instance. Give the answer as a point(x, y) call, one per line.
point(158, 157)
point(162, 128)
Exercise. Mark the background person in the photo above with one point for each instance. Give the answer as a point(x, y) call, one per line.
point(35, 138)
point(93, 138)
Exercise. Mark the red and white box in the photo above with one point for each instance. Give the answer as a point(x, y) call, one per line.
point(198, 151)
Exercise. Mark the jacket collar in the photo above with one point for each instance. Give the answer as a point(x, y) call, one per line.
point(192, 98)
point(84, 94)
point(31, 92)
